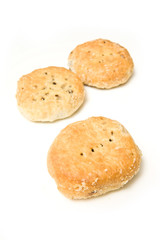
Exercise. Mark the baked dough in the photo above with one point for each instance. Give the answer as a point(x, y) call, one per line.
point(101, 63)
point(49, 94)
point(92, 157)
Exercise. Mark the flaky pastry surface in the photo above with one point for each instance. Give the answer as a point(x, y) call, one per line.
point(101, 63)
point(49, 94)
point(91, 157)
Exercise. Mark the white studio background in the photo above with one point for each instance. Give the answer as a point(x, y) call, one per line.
point(37, 34)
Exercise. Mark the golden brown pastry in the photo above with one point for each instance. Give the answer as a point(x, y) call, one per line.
point(101, 63)
point(49, 94)
point(92, 157)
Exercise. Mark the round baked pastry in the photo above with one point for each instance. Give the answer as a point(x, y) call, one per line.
point(49, 94)
point(92, 157)
point(101, 63)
